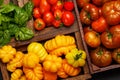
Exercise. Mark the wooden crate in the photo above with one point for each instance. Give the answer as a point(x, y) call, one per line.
point(48, 33)
point(93, 68)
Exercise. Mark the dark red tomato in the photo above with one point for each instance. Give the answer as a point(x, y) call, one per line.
point(111, 38)
point(58, 14)
point(58, 5)
point(52, 2)
point(57, 23)
point(68, 5)
point(36, 3)
point(44, 6)
point(48, 18)
point(100, 25)
point(36, 13)
point(99, 2)
point(68, 18)
point(81, 3)
point(92, 39)
point(116, 55)
point(101, 57)
point(87, 29)
point(39, 24)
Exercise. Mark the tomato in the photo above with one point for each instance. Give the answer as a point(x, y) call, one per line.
point(111, 38)
point(58, 14)
point(58, 5)
point(81, 3)
point(36, 13)
point(87, 29)
point(88, 13)
point(36, 3)
point(99, 25)
point(44, 6)
point(116, 55)
point(68, 18)
point(111, 12)
point(48, 18)
point(101, 57)
point(39, 24)
point(68, 5)
point(57, 23)
point(92, 39)
point(52, 2)
point(99, 2)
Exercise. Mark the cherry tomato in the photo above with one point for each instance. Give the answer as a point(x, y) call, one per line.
point(39, 24)
point(100, 25)
point(52, 2)
point(58, 14)
point(69, 5)
point(67, 18)
point(36, 3)
point(48, 18)
point(101, 57)
point(92, 39)
point(36, 13)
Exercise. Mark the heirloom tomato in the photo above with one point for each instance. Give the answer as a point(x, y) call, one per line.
point(81, 3)
point(111, 12)
point(101, 57)
point(36, 13)
point(92, 39)
point(99, 25)
point(68, 18)
point(116, 55)
point(39, 24)
point(88, 13)
point(48, 18)
point(100, 2)
point(111, 38)
point(87, 29)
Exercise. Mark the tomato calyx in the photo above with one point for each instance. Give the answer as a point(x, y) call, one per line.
point(118, 54)
point(100, 52)
point(109, 35)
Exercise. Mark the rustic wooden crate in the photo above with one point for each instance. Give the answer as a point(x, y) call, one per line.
point(93, 68)
point(48, 33)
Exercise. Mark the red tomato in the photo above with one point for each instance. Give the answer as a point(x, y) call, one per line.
point(36, 13)
point(116, 55)
point(69, 5)
point(57, 23)
point(44, 6)
point(100, 25)
point(39, 24)
point(81, 3)
point(36, 3)
point(68, 18)
point(87, 29)
point(58, 14)
point(92, 39)
point(101, 57)
point(58, 5)
point(52, 2)
point(48, 18)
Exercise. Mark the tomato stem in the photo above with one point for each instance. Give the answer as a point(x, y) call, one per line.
point(100, 52)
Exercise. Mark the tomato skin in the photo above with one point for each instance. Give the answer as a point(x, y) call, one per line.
point(48, 18)
point(68, 18)
point(87, 29)
point(44, 6)
point(101, 57)
point(89, 13)
point(69, 5)
point(99, 25)
point(111, 38)
point(39, 24)
point(57, 23)
point(36, 13)
point(99, 2)
point(92, 39)
point(52, 2)
point(57, 14)
point(81, 3)
point(111, 12)
point(58, 5)
point(116, 55)
point(36, 3)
